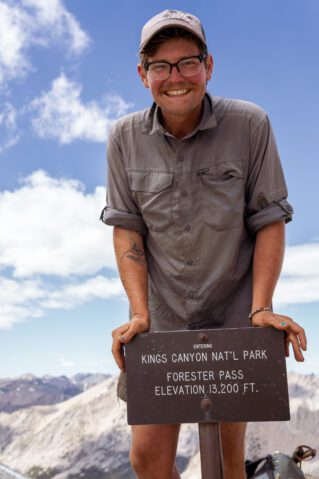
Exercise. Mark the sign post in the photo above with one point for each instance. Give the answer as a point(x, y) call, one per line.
point(207, 376)
point(211, 452)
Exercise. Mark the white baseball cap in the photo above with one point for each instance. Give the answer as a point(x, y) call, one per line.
point(171, 18)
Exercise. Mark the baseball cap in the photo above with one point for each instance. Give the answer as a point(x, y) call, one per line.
point(171, 18)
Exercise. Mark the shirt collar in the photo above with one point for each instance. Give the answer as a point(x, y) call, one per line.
point(208, 120)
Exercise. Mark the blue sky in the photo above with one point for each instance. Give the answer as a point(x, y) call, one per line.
point(67, 71)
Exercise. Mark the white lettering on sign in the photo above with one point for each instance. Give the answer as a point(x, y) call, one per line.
point(154, 358)
point(202, 389)
point(223, 379)
point(249, 387)
point(233, 374)
point(189, 357)
point(202, 356)
point(185, 389)
point(222, 388)
point(255, 354)
point(224, 356)
point(202, 346)
point(186, 376)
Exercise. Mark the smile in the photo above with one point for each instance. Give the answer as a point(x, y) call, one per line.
point(176, 92)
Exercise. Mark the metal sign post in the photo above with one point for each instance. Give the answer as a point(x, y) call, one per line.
point(211, 453)
point(207, 377)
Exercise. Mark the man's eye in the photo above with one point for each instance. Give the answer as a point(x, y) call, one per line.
point(159, 67)
point(189, 62)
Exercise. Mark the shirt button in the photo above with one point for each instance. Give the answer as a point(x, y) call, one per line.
point(184, 193)
point(190, 295)
point(188, 228)
point(190, 262)
point(181, 158)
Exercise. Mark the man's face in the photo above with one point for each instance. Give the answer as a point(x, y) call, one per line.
point(178, 95)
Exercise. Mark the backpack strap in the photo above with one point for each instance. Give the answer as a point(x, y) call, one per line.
point(265, 463)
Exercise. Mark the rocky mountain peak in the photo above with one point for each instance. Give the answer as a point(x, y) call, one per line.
point(87, 435)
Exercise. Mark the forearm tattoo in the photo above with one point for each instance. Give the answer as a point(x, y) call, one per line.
point(135, 253)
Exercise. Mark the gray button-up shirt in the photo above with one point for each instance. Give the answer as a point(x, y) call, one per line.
point(199, 202)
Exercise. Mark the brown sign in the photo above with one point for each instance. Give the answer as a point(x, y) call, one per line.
point(207, 375)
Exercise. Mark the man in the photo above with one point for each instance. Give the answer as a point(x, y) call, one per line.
point(197, 198)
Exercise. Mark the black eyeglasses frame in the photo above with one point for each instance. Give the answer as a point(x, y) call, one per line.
point(200, 57)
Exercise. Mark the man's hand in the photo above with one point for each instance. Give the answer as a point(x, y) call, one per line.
point(123, 334)
point(294, 333)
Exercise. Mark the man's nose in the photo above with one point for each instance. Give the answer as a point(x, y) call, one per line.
point(175, 75)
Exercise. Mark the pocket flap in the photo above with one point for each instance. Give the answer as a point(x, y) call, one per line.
point(153, 182)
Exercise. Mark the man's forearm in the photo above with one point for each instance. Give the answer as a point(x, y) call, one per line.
point(268, 258)
point(132, 265)
point(131, 261)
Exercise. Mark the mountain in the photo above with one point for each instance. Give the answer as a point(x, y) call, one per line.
point(267, 437)
point(87, 380)
point(29, 390)
point(87, 435)
point(7, 473)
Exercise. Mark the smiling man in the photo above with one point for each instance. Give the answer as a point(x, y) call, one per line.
point(197, 198)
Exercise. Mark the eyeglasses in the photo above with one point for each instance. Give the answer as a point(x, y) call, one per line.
point(186, 66)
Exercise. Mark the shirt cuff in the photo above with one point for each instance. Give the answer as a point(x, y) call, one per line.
point(280, 210)
point(130, 221)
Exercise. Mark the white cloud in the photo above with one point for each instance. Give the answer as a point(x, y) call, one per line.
point(27, 22)
point(54, 246)
point(15, 35)
point(51, 227)
point(8, 127)
point(58, 23)
point(302, 260)
point(299, 282)
point(18, 301)
point(25, 299)
point(98, 287)
point(60, 113)
point(66, 363)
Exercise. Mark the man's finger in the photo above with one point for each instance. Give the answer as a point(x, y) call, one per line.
point(117, 351)
point(120, 330)
point(296, 347)
point(123, 335)
point(287, 344)
point(129, 333)
point(281, 322)
point(287, 324)
point(299, 333)
point(133, 327)
point(295, 334)
point(302, 338)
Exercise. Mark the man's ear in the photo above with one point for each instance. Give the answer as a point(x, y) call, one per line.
point(143, 75)
point(209, 67)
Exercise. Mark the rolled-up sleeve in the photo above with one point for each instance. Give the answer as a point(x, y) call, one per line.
point(266, 191)
point(121, 209)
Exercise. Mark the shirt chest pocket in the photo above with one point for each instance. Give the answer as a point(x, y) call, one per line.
point(222, 196)
point(152, 192)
